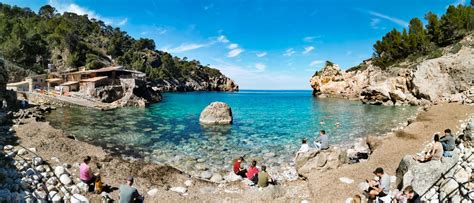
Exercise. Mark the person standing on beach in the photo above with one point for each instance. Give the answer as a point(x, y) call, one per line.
point(448, 143)
point(129, 194)
point(322, 142)
point(238, 170)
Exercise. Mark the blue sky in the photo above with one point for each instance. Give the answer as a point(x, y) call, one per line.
point(262, 44)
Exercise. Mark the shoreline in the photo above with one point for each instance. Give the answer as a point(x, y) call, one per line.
point(117, 166)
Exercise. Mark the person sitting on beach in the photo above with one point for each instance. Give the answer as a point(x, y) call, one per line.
point(322, 142)
point(252, 171)
point(460, 143)
point(264, 178)
point(129, 194)
point(380, 187)
point(412, 196)
point(85, 173)
point(238, 170)
point(434, 153)
point(448, 143)
point(4, 104)
point(303, 149)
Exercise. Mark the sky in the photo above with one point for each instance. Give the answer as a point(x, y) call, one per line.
point(261, 44)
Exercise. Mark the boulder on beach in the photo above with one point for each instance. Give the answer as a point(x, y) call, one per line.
point(216, 113)
point(422, 176)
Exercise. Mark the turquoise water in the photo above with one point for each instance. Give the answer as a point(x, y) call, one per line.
point(268, 125)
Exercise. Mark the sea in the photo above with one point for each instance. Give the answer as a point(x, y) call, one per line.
point(268, 126)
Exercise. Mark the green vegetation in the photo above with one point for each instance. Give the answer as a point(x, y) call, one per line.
point(395, 46)
point(33, 40)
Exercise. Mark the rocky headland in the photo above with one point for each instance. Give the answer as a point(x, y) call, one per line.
point(448, 78)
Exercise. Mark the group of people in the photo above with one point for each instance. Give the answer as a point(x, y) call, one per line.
point(320, 143)
point(441, 147)
point(379, 187)
point(128, 193)
point(259, 177)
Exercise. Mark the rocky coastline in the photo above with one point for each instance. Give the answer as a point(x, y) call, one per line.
point(447, 78)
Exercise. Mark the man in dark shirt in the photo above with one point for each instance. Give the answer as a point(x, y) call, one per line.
point(448, 143)
point(238, 170)
point(412, 196)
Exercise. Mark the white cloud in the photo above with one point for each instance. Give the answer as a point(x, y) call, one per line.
point(234, 52)
point(74, 8)
point(223, 39)
point(308, 49)
point(187, 47)
point(233, 46)
point(389, 18)
point(316, 62)
point(154, 30)
point(260, 67)
point(289, 52)
point(261, 54)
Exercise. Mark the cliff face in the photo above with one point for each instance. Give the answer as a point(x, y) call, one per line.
point(446, 78)
point(218, 83)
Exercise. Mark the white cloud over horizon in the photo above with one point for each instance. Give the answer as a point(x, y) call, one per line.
point(249, 78)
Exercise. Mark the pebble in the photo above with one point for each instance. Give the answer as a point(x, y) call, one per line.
point(59, 170)
point(152, 192)
point(22, 152)
point(216, 177)
point(346, 180)
point(206, 174)
point(188, 183)
point(8, 147)
point(180, 190)
point(65, 179)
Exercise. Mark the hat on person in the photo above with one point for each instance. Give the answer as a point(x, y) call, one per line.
point(378, 170)
point(130, 178)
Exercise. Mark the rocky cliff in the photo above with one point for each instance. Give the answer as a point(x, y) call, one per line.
point(449, 77)
point(218, 83)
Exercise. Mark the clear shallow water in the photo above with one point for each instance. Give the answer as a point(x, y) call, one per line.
point(268, 125)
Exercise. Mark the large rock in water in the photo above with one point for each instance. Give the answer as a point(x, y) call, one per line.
point(216, 113)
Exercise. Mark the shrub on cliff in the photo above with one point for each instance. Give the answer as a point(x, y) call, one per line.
point(395, 46)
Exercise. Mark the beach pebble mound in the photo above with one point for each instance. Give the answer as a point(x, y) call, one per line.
point(218, 113)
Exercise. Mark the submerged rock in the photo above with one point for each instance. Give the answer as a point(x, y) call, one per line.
point(216, 113)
